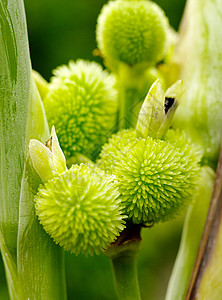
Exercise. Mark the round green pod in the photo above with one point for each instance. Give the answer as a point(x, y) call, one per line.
point(155, 178)
point(132, 32)
point(82, 104)
point(115, 144)
point(80, 210)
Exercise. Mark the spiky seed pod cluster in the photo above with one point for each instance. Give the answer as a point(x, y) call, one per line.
point(79, 209)
point(132, 32)
point(155, 179)
point(82, 104)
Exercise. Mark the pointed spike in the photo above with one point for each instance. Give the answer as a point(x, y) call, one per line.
point(152, 112)
point(58, 156)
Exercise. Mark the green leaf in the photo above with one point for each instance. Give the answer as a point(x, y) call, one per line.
point(15, 290)
point(40, 261)
point(33, 263)
point(156, 114)
point(152, 111)
point(14, 96)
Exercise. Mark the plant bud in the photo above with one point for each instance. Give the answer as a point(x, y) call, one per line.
point(132, 32)
point(48, 160)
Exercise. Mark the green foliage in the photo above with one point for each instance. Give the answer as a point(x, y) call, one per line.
point(82, 104)
point(79, 210)
point(133, 32)
point(14, 98)
point(33, 263)
point(82, 208)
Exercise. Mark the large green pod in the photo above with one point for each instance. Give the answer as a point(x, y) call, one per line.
point(200, 60)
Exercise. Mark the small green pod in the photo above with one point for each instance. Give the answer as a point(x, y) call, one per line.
point(82, 104)
point(132, 32)
point(80, 209)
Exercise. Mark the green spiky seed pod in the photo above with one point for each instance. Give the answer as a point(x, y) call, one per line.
point(115, 144)
point(132, 32)
point(180, 140)
point(155, 179)
point(82, 104)
point(118, 142)
point(79, 210)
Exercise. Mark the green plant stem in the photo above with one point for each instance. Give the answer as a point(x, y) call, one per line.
point(128, 101)
point(205, 281)
point(123, 254)
point(191, 237)
point(125, 271)
point(131, 81)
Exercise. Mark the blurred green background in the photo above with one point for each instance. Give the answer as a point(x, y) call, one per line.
point(60, 30)
point(63, 30)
